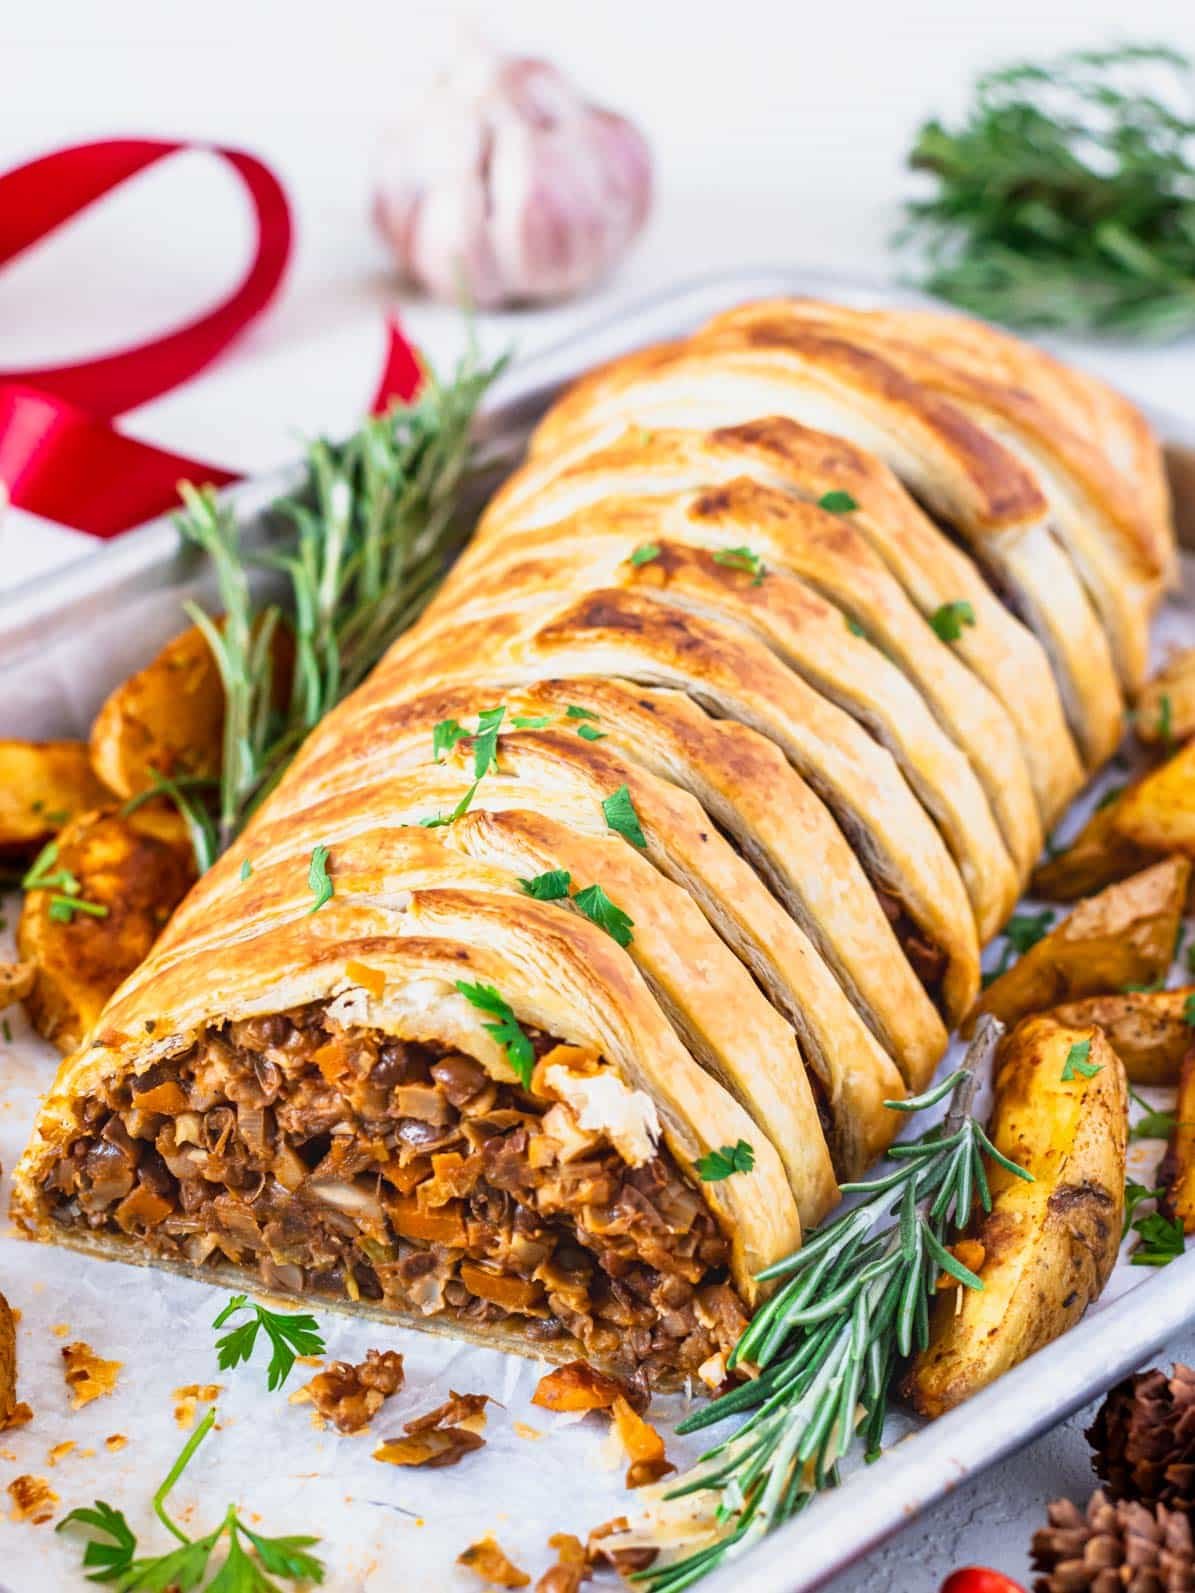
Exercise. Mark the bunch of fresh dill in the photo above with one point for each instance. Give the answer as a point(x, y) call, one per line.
point(1066, 196)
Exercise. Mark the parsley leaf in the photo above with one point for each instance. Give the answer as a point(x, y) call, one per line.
point(1021, 933)
point(437, 820)
point(720, 1164)
point(286, 1556)
point(317, 878)
point(290, 1334)
point(246, 869)
point(6, 1030)
point(548, 887)
point(1135, 1195)
point(596, 905)
point(1151, 1124)
point(485, 741)
point(742, 559)
point(1077, 1063)
point(531, 721)
point(1161, 1240)
point(1189, 1011)
point(445, 736)
point(621, 817)
point(573, 712)
point(645, 553)
point(64, 908)
point(520, 1053)
point(853, 625)
point(1165, 726)
point(589, 733)
point(837, 502)
point(948, 621)
point(65, 890)
point(106, 1560)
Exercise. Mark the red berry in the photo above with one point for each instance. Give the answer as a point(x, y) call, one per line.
point(978, 1579)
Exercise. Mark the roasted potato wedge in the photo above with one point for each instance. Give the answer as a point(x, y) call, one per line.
point(1177, 1172)
point(1048, 1246)
point(1147, 1029)
point(168, 718)
point(1124, 936)
point(43, 784)
point(16, 981)
point(131, 873)
point(1153, 817)
point(1165, 711)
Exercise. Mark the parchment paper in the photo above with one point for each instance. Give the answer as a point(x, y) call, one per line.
point(381, 1527)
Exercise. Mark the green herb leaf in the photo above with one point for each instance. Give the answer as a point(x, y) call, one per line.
point(1151, 1124)
point(853, 625)
point(64, 908)
point(1161, 1240)
point(438, 820)
point(645, 553)
point(1165, 727)
point(742, 559)
point(289, 1335)
point(6, 1030)
point(286, 1556)
point(837, 502)
point(719, 1164)
point(1189, 1011)
point(520, 1053)
point(548, 887)
point(1108, 797)
point(949, 620)
point(485, 741)
point(596, 905)
point(590, 733)
point(531, 721)
point(1077, 1063)
point(246, 869)
point(621, 817)
point(1021, 934)
point(573, 712)
point(104, 1561)
point(1135, 1195)
point(317, 878)
point(445, 736)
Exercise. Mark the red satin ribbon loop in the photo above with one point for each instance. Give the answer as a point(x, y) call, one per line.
point(60, 456)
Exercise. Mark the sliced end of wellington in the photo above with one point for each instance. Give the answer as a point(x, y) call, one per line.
point(433, 1099)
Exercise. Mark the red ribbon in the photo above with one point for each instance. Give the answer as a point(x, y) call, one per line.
point(60, 455)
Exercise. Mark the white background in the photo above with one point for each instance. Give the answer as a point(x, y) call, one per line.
point(778, 130)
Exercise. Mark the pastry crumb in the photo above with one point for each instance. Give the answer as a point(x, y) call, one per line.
point(115, 1441)
point(88, 1376)
point(192, 1395)
point(33, 1500)
point(60, 1451)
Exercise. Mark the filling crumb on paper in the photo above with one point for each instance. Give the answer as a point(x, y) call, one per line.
point(88, 1376)
point(33, 1500)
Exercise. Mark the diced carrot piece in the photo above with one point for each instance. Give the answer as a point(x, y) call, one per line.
point(576, 1386)
point(440, 1225)
point(371, 979)
point(513, 1294)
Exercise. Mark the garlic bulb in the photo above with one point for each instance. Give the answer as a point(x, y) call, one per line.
point(508, 186)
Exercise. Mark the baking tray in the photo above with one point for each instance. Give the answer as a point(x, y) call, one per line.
point(80, 630)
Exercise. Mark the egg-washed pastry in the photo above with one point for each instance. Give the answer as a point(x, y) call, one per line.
point(576, 957)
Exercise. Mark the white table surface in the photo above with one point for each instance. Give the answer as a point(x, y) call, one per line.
point(779, 134)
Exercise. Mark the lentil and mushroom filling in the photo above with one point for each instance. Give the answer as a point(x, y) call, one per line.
point(338, 1160)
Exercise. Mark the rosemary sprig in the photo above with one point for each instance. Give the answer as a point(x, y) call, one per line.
point(374, 528)
point(1066, 197)
point(826, 1346)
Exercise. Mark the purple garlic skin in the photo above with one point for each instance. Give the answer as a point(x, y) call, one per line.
point(509, 188)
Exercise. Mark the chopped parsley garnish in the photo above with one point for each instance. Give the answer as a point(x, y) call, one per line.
point(1108, 797)
point(948, 621)
point(548, 887)
point(531, 721)
point(1189, 1011)
point(1135, 1195)
point(250, 1559)
point(1076, 1062)
point(645, 553)
point(485, 741)
point(318, 882)
point(445, 736)
point(246, 869)
point(621, 817)
point(1021, 934)
point(520, 1053)
point(590, 733)
point(573, 712)
point(837, 502)
point(64, 908)
point(1191, 958)
point(1160, 1240)
point(1151, 1124)
point(435, 821)
point(853, 625)
point(289, 1334)
point(1165, 727)
point(65, 890)
point(742, 559)
point(6, 1030)
point(720, 1164)
point(596, 905)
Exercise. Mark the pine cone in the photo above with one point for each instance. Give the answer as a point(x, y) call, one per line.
point(1144, 1439)
point(1120, 1547)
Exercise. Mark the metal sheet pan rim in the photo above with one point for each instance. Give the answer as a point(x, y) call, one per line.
point(931, 1462)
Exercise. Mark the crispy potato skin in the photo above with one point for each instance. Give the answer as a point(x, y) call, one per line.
point(43, 785)
point(1178, 1165)
point(1048, 1246)
point(168, 718)
point(8, 1362)
point(1123, 936)
point(1153, 817)
point(1175, 682)
point(1147, 1029)
point(139, 868)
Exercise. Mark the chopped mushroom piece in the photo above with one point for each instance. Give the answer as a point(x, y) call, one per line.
point(571, 1568)
point(88, 1375)
point(440, 1437)
point(461, 1410)
point(349, 1396)
point(577, 1386)
point(488, 1561)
